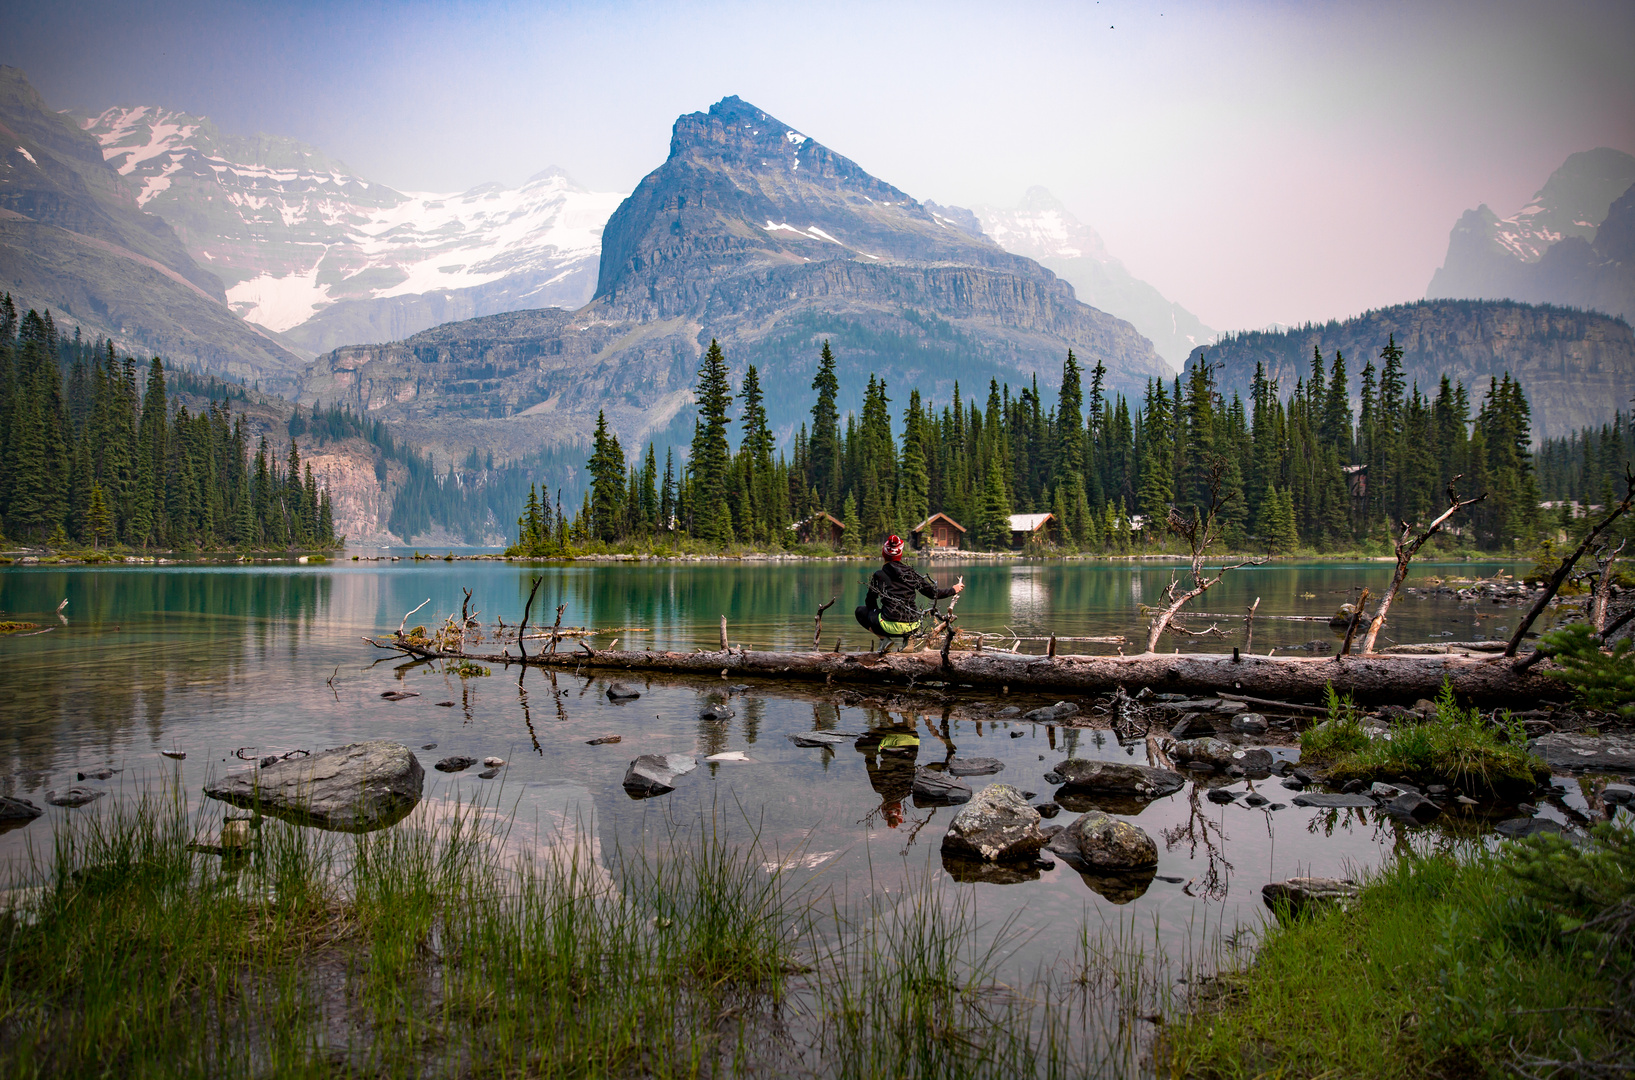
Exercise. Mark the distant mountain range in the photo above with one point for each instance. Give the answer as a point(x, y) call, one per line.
point(74, 240)
point(1576, 367)
point(758, 235)
point(1573, 244)
point(309, 249)
point(1042, 229)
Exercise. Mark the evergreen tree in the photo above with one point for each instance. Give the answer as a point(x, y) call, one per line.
point(709, 464)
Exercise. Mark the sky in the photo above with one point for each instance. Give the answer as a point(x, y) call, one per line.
point(1258, 163)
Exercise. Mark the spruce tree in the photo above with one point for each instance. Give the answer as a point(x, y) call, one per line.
point(712, 520)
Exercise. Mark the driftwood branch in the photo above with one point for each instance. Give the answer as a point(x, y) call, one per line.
point(1604, 561)
point(522, 631)
point(817, 622)
point(1567, 564)
point(402, 625)
point(1356, 617)
point(1249, 628)
point(1408, 546)
point(1201, 531)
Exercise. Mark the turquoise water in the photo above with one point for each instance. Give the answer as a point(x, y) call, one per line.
point(209, 659)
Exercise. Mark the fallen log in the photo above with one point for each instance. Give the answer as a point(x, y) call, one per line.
point(1282, 678)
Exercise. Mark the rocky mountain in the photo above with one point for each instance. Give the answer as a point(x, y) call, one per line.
point(74, 240)
point(307, 248)
point(1042, 229)
point(753, 233)
point(1576, 367)
point(1559, 248)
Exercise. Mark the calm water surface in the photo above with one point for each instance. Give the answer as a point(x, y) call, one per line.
point(209, 659)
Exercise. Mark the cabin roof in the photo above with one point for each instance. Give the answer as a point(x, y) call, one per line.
point(926, 524)
point(1030, 522)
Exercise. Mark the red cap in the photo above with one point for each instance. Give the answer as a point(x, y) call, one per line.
point(892, 549)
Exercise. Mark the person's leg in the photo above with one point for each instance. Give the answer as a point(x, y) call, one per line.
point(869, 619)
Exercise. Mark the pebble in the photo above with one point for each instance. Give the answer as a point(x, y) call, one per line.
point(622, 692)
point(1221, 795)
point(1250, 723)
point(488, 774)
point(429, 746)
point(1017, 734)
point(398, 695)
point(1294, 784)
point(717, 713)
point(445, 704)
point(455, 763)
point(494, 762)
point(178, 755)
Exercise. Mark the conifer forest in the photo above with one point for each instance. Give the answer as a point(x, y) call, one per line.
point(1301, 469)
point(99, 452)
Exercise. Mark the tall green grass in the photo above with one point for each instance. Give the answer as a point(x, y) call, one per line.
point(428, 950)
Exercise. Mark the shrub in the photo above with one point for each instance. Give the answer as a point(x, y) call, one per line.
point(1599, 679)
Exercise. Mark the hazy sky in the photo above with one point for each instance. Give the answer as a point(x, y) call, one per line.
point(1256, 162)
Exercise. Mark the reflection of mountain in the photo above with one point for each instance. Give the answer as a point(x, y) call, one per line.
point(1573, 244)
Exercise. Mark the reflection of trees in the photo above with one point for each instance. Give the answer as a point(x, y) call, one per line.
point(136, 637)
point(1200, 830)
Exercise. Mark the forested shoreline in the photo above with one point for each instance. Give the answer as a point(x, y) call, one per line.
point(1301, 470)
point(96, 455)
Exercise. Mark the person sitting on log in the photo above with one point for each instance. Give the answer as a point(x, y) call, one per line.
point(889, 611)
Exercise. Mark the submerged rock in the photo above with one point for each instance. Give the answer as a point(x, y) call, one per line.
point(102, 773)
point(1301, 894)
point(1117, 778)
point(622, 692)
point(997, 824)
point(74, 796)
point(817, 738)
point(455, 763)
point(932, 788)
point(604, 740)
point(655, 774)
point(1516, 828)
point(1333, 800)
point(979, 766)
point(354, 788)
point(1098, 841)
point(1059, 711)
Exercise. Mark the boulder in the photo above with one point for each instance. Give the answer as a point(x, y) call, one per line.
point(932, 788)
point(1331, 800)
point(455, 763)
point(494, 762)
point(18, 810)
point(1220, 756)
point(1575, 752)
point(1300, 894)
point(1117, 778)
point(1618, 795)
point(622, 692)
point(655, 774)
point(354, 788)
point(996, 825)
point(1412, 806)
point(1095, 840)
point(978, 766)
point(74, 796)
point(1250, 723)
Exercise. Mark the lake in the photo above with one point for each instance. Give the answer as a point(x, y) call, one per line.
point(268, 657)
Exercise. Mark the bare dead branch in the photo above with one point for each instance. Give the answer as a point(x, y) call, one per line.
point(1567, 564)
point(1407, 547)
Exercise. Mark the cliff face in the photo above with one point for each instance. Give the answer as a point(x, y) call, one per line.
point(1576, 367)
point(757, 235)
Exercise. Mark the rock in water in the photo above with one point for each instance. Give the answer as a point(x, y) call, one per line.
point(1059, 711)
point(979, 766)
point(998, 824)
point(932, 788)
point(1576, 752)
point(1220, 756)
point(1117, 778)
point(604, 740)
point(455, 763)
point(74, 796)
point(18, 810)
point(622, 692)
point(655, 774)
point(355, 788)
point(1331, 800)
point(1302, 893)
point(102, 773)
point(1106, 843)
point(1412, 806)
point(1221, 795)
point(817, 738)
point(717, 713)
point(494, 762)
point(1251, 723)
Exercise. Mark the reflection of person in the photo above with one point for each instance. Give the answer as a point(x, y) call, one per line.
point(889, 610)
point(889, 758)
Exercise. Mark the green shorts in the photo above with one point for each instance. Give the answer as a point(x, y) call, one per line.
point(896, 629)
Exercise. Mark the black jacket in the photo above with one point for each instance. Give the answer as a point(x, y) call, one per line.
point(892, 590)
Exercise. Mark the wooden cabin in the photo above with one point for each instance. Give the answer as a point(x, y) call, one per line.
point(1356, 479)
point(1032, 530)
point(820, 528)
point(938, 531)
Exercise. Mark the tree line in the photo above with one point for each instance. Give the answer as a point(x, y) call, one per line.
point(99, 454)
point(1300, 468)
